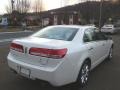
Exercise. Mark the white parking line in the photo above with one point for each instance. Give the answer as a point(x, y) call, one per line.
point(7, 40)
point(14, 32)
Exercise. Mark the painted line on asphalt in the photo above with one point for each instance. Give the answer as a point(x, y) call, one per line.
point(7, 40)
point(14, 32)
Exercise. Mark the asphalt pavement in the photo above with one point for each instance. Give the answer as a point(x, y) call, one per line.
point(7, 37)
point(106, 76)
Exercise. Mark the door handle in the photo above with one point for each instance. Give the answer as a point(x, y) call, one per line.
point(103, 44)
point(90, 48)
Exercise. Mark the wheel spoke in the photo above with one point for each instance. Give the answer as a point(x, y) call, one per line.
point(84, 74)
point(82, 78)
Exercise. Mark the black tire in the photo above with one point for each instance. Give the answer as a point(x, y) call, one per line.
point(110, 56)
point(84, 74)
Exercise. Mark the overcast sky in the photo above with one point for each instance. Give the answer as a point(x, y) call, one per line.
point(3, 3)
point(49, 4)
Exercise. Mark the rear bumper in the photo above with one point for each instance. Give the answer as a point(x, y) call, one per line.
point(37, 72)
point(56, 76)
point(109, 31)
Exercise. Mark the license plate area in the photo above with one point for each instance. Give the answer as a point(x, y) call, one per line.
point(24, 71)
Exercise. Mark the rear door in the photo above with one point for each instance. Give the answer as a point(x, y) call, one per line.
point(93, 45)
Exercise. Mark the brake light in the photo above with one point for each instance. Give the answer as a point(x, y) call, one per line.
point(49, 53)
point(16, 47)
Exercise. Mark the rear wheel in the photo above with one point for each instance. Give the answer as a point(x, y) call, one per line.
point(84, 74)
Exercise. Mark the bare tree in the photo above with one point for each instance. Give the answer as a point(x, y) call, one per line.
point(9, 7)
point(22, 6)
point(38, 6)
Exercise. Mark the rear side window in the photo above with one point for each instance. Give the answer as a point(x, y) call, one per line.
point(58, 33)
point(89, 35)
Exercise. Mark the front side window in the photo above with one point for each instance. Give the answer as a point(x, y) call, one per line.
point(58, 33)
point(93, 34)
point(100, 36)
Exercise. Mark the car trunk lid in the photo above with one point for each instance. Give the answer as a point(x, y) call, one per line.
point(28, 50)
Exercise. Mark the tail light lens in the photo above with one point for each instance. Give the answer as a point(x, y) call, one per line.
point(16, 47)
point(49, 53)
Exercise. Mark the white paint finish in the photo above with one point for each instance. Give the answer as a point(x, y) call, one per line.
point(59, 71)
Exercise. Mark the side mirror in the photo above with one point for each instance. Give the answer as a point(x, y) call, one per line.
point(86, 40)
point(108, 37)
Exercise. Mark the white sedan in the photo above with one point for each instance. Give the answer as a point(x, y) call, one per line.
point(109, 28)
point(60, 54)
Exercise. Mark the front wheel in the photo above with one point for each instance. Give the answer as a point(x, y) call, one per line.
point(110, 56)
point(84, 74)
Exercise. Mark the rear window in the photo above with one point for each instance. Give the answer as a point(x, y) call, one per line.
point(109, 26)
point(58, 33)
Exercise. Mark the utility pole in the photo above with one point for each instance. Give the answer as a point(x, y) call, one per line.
point(41, 5)
point(101, 6)
point(22, 7)
point(12, 3)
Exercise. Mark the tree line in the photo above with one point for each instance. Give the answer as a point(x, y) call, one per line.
point(88, 9)
point(24, 6)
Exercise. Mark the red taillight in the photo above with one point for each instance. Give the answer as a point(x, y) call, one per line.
point(16, 47)
point(49, 53)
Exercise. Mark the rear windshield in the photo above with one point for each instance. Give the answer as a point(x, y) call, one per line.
point(107, 26)
point(58, 33)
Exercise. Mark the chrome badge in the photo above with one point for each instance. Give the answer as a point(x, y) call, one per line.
point(25, 50)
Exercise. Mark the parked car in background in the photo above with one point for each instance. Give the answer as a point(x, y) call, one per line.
point(109, 28)
point(60, 54)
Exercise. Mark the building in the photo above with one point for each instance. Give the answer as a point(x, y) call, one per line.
point(65, 15)
point(82, 13)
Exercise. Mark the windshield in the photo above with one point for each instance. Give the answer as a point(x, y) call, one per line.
point(58, 33)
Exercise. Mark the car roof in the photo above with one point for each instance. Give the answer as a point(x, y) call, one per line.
point(108, 25)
